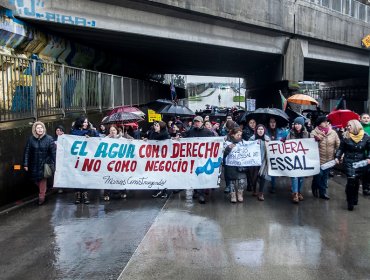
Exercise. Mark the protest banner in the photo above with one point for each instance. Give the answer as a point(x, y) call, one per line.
point(293, 158)
point(246, 153)
point(106, 163)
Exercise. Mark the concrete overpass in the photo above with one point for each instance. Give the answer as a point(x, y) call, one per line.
point(263, 40)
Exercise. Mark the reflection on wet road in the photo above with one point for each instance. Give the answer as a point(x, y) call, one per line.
point(145, 238)
point(61, 240)
point(274, 239)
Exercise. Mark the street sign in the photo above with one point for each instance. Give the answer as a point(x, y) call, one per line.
point(366, 41)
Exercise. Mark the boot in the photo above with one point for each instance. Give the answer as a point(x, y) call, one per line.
point(85, 197)
point(106, 196)
point(233, 197)
point(123, 194)
point(295, 198)
point(260, 197)
point(315, 191)
point(240, 196)
point(164, 194)
point(300, 197)
point(158, 194)
point(78, 197)
point(41, 201)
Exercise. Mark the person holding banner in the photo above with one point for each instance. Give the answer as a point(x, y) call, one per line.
point(297, 132)
point(198, 130)
point(329, 142)
point(39, 150)
point(353, 148)
point(113, 133)
point(159, 132)
point(234, 175)
point(82, 127)
point(252, 171)
point(275, 134)
point(261, 137)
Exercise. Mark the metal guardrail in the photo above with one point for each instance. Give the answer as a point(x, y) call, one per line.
point(33, 88)
point(350, 8)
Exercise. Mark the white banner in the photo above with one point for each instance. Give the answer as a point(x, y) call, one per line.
point(245, 153)
point(293, 158)
point(105, 163)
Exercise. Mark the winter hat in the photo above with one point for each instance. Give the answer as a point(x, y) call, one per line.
point(321, 119)
point(60, 127)
point(299, 120)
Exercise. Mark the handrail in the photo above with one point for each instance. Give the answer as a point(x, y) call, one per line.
point(32, 88)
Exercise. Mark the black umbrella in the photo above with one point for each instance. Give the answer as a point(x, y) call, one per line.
point(158, 104)
point(121, 117)
point(178, 110)
point(262, 116)
point(293, 114)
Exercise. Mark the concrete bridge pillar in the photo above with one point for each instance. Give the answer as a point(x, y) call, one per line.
point(293, 67)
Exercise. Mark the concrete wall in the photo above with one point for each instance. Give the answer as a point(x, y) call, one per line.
point(295, 17)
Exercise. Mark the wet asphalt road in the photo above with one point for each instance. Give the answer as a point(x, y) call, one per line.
point(60, 240)
point(136, 238)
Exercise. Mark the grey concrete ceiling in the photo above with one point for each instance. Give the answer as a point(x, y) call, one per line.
point(142, 55)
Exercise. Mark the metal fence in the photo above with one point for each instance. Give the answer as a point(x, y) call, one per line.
point(350, 8)
point(33, 89)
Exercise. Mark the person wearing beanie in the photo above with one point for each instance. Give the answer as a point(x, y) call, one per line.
point(40, 149)
point(365, 122)
point(297, 132)
point(328, 141)
point(59, 130)
point(198, 130)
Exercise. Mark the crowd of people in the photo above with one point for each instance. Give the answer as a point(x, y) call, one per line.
point(347, 146)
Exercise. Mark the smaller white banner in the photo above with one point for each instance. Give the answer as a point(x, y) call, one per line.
point(293, 158)
point(245, 153)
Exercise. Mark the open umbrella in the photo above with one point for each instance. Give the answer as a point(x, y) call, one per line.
point(121, 118)
point(262, 115)
point(178, 110)
point(127, 109)
point(158, 104)
point(302, 99)
point(340, 118)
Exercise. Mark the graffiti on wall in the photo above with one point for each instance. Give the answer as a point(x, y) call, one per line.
point(35, 9)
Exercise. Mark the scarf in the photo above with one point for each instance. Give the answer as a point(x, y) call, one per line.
point(357, 137)
point(325, 130)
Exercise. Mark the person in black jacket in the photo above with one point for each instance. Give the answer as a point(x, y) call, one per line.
point(82, 127)
point(40, 149)
point(159, 132)
point(354, 147)
point(198, 130)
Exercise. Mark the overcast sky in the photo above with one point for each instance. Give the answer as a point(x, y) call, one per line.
point(202, 79)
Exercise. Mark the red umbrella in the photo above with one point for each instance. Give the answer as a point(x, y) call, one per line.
point(127, 109)
point(134, 125)
point(340, 118)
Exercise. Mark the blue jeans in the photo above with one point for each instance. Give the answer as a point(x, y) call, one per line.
point(297, 183)
point(273, 180)
point(320, 181)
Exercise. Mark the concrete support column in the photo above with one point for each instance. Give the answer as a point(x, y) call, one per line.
point(293, 67)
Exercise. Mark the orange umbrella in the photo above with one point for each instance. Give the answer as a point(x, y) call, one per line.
point(302, 99)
